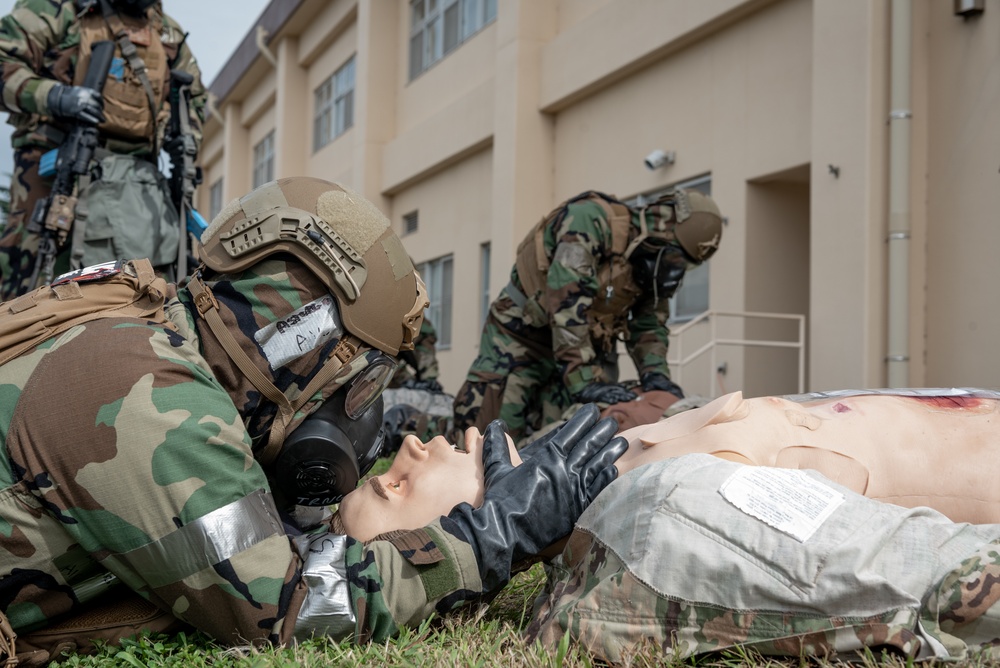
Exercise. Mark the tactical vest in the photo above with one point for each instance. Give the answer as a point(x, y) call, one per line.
point(616, 291)
point(139, 76)
point(123, 289)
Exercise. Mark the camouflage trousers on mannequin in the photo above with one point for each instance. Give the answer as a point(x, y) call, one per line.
point(696, 555)
point(515, 376)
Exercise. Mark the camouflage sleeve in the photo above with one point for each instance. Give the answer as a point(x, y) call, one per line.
point(649, 337)
point(578, 241)
point(425, 348)
point(31, 29)
point(150, 471)
point(185, 61)
point(404, 580)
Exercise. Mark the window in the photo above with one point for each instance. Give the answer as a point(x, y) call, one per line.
point(215, 200)
point(691, 299)
point(438, 26)
point(263, 160)
point(334, 106)
point(484, 281)
point(410, 222)
point(437, 275)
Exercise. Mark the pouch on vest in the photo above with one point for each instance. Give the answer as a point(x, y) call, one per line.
point(127, 104)
point(127, 213)
point(115, 290)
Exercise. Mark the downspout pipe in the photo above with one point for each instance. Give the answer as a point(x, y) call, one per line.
point(898, 306)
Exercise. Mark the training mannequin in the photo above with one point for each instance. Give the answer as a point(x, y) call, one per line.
point(929, 447)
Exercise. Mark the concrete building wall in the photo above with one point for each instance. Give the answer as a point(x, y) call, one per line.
point(782, 104)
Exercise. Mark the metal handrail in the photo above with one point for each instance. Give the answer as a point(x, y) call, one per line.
point(714, 342)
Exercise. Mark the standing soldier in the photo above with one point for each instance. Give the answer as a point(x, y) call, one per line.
point(123, 208)
point(591, 271)
point(247, 393)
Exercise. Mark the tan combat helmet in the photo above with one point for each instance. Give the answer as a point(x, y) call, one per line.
point(699, 224)
point(345, 242)
point(342, 237)
point(685, 216)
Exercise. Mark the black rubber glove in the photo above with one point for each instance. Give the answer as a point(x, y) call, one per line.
point(76, 103)
point(604, 393)
point(527, 508)
point(653, 380)
point(430, 385)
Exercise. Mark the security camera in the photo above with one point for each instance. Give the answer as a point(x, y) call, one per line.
point(659, 158)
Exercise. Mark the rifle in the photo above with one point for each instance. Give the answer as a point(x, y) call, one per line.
point(185, 176)
point(54, 215)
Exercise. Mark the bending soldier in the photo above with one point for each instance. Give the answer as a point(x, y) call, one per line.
point(591, 271)
point(124, 207)
point(252, 390)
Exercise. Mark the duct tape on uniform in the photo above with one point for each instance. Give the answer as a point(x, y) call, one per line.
point(301, 332)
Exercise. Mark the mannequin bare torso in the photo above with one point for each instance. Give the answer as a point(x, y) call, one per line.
point(936, 448)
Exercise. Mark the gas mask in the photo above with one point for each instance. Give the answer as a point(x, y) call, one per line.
point(660, 267)
point(323, 459)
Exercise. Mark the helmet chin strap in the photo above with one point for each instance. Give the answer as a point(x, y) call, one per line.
point(345, 350)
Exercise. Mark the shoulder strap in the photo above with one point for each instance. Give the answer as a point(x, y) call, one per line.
point(115, 290)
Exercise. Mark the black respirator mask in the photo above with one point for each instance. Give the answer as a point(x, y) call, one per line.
point(324, 457)
point(659, 267)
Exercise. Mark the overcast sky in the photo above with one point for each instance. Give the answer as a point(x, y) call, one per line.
point(215, 27)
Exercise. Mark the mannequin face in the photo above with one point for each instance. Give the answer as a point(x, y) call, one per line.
point(425, 481)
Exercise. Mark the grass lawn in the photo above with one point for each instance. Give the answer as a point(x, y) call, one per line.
point(487, 636)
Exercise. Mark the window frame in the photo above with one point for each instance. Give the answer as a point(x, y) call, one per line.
point(439, 277)
point(333, 103)
point(263, 160)
point(215, 202)
point(438, 27)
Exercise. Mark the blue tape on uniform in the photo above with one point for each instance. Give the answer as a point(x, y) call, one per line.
point(117, 69)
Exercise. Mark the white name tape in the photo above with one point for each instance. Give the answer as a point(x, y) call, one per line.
point(301, 332)
point(786, 499)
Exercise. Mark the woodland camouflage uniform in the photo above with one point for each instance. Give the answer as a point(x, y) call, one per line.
point(664, 558)
point(125, 474)
point(538, 351)
point(39, 47)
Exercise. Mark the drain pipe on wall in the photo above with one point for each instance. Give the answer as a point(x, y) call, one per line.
point(898, 315)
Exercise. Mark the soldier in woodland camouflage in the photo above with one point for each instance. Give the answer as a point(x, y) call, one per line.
point(175, 476)
point(591, 272)
point(125, 210)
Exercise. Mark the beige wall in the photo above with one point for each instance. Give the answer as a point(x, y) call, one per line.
point(454, 208)
point(783, 103)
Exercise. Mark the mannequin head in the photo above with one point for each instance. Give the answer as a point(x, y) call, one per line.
point(424, 482)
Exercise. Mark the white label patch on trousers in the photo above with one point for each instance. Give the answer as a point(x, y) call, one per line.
point(786, 499)
point(301, 332)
